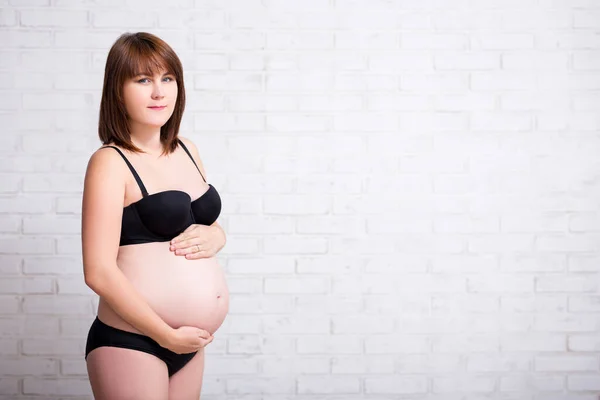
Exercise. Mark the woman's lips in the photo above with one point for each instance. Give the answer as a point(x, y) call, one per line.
point(157, 108)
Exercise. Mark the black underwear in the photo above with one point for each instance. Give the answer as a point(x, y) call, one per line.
point(101, 334)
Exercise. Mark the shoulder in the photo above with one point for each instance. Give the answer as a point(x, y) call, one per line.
point(107, 167)
point(190, 146)
point(194, 152)
point(106, 158)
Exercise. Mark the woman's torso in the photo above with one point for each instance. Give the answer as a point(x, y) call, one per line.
point(181, 291)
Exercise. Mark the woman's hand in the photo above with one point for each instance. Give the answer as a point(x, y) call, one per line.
point(186, 339)
point(199, 241)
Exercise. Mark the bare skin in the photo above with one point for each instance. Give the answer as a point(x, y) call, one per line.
point(182, 292)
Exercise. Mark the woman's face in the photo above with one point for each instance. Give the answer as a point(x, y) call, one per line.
point(150, 99)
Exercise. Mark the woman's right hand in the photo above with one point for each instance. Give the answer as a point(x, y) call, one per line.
point(187, 339)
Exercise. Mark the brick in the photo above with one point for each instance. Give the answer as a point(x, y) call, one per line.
point(396, 385)
point(314, 285)
point(25, 39)
point(583, 382)
point(244, 386)
point(54, 18)
point(115, 19)
point(328, 385)
point(64, 387)
point(311, 365)
point(295, 325)
point(335, 344)
point(233, 365)
point(29, 366)
point(51, 305)
point(566, 363)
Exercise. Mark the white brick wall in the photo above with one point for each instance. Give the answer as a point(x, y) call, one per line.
point(410, 191)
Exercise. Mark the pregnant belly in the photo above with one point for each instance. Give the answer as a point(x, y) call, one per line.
point(182, 292)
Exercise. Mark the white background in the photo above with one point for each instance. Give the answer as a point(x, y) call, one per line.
point(410, 188)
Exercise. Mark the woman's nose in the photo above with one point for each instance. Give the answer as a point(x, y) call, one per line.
point(157, 91)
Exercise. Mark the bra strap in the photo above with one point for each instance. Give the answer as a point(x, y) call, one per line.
point(188, 152)
point(135, 174)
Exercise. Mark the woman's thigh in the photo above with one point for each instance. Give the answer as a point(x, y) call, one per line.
point(186, 383)
point(125, 374)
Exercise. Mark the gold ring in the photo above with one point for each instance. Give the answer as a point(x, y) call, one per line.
point(197, 248)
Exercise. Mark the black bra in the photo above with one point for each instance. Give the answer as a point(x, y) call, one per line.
point(159, 217)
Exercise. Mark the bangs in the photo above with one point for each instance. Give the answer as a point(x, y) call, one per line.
point(145, 60)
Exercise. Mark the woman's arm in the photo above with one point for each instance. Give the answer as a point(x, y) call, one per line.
point(102, 210)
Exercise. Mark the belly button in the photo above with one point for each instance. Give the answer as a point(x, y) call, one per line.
point(218, 295)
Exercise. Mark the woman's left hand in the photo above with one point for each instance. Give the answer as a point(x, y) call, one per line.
point(198, 241)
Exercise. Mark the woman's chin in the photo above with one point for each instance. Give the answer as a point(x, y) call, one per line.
point(154, 124)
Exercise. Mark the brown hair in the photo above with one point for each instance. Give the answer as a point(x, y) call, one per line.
point(130, 55)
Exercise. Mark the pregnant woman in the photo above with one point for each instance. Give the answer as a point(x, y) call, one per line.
point(160, 301)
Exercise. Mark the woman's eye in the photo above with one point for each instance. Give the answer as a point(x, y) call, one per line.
point(165, 79)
